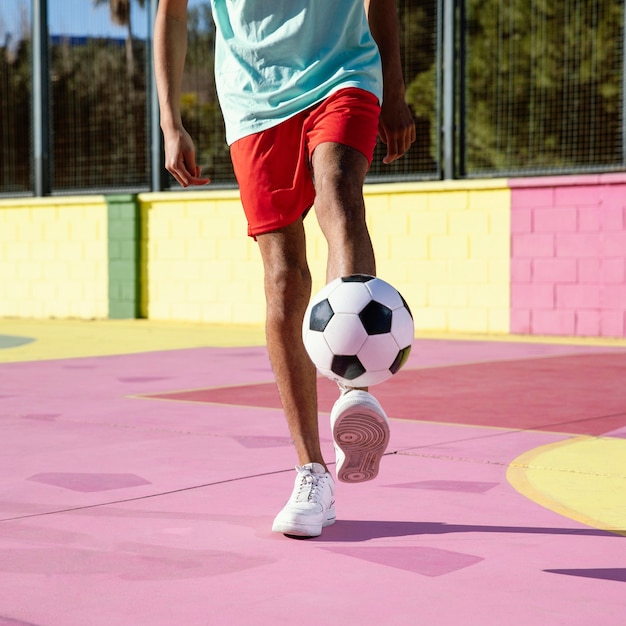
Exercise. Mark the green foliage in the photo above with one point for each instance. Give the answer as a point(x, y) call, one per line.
point(544, 84)
point(99, 116)
point(15, 124)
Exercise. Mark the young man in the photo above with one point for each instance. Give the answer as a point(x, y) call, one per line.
point(305, 87)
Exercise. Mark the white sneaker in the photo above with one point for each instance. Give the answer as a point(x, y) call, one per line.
point(311, 506)
point(361, 433)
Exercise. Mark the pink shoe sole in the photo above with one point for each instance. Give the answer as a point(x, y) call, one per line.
point(362, 435)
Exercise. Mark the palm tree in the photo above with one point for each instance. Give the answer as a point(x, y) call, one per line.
point(121, 15)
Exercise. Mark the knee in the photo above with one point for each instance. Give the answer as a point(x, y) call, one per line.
point(339, 173)
point(286, 273)
point(287, 277)
point(338, 186)
point(287, 289)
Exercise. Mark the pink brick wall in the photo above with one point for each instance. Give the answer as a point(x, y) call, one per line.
point(568, 255)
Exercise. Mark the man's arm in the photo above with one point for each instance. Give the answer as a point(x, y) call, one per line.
point(170, 50)
point(397, 128)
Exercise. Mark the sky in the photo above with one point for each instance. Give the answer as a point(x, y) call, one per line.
point(74, 17)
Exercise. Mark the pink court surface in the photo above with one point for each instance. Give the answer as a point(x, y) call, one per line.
point(142, 465)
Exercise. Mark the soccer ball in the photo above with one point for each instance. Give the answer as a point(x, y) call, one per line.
point(358, 330)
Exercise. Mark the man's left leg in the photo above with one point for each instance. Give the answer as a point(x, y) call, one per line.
point(359, 424)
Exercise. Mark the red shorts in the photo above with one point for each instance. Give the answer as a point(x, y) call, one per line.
point(273, 167)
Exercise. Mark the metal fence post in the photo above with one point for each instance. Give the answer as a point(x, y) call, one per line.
point(461, 102)
point(41, 95)
point(449, 83)
point(623, 85)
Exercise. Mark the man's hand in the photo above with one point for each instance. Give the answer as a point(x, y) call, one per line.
point(396, 129)
point(170, 49)
point(180, 158)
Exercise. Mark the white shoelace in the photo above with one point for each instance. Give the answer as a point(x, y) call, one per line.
point(309, 482)
point(344, 388)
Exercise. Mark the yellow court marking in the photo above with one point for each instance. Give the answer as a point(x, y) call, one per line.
point(583, 478)
point(66, 339)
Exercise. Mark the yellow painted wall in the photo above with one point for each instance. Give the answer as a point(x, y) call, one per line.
point(53, 257)
point(199, 263)
point(444, 245)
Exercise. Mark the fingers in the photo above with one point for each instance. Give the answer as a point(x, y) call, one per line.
point(398, 143)
point(397, 146)
point(186, 172)
point(180, 161)
point(398, 133)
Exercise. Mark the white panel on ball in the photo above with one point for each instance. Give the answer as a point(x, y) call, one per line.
point(350, 298)
point(345, 333)
point(385, 294)
point(402, 327)
point(318, 350)
point(378, 353)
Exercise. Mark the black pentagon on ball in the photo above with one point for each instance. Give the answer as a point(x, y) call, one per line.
point(357, 278)
point(376, 318)
point(400, 359)
point(321, 314)
point(347, 366)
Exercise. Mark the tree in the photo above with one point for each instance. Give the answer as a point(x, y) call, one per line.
point(121, 15)
point(544, 85)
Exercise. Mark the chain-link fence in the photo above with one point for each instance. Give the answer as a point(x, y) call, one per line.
point(15, 99)
point(543, 86)
point(532, 86)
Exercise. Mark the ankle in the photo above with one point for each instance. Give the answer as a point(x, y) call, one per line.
point(316, 463)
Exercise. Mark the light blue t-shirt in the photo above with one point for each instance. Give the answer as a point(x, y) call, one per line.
point(276, 58)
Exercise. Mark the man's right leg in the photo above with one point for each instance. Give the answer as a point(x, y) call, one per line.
point(287, 289)
point(276, 189)
point(287, 293)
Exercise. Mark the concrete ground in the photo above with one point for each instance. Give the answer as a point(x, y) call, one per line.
point(142, 465)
